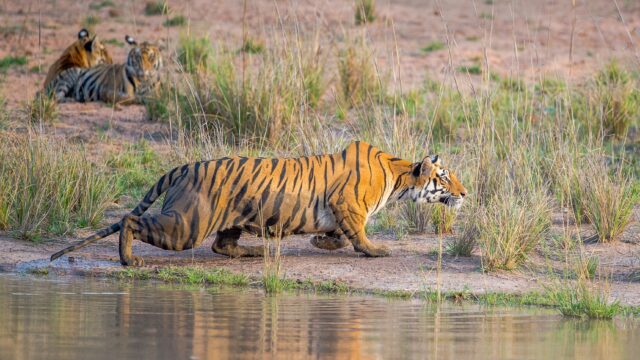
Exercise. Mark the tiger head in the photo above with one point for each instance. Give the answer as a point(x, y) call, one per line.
point(434, 183)
point(91, 49)
point(144, 58)
point(85, 52)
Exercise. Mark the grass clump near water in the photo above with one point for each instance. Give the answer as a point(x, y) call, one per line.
point(608, 200)
point(49, 187)
point(584, 300)
point(509, 228)
point(365, 11)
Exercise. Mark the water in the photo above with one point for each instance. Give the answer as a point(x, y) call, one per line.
point(83, 318)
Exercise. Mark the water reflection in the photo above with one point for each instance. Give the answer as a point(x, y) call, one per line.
point(85, 318)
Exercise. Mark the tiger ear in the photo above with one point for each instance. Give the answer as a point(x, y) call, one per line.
point(83, 34)
point(435, 159)
point(130, 40)
point(423, 167)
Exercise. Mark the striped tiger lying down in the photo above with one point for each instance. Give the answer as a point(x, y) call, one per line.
point(114, 83)
point(333, 195)
point(84, 53)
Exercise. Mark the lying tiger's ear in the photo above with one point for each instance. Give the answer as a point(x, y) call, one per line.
point(130, 40)
point(435, 159)
point(83, 34)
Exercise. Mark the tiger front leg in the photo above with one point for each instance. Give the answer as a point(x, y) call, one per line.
point(352, 223)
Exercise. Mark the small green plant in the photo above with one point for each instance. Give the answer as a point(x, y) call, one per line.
point(10, 61)
point(114, 42)
point(252, 46)
point(608, 200)
point(90, 21)
point(443, 218)
point(359, 80)
point(194, 54)
point(178, 20)
point(583, 300)
point(137, 168)
point(365, 11)
point(509, 226)
point(42, 109)
point(433, 46)
point(415, 216)
point(196, 275)
point(474, 69)
point(101, 4)
point(49, 187)
point(614, 101)
point(156, 8)
point(272, 280)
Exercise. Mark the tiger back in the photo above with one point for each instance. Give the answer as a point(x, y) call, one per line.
point(124, 83)
point(85, 52)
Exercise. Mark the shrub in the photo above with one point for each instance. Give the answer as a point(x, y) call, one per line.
point(359, 80)
point(608, 199)
point(433, 46)
point(443, 218)
point(42, 109)
point(156, 8)
point(194, 54)
point(177, 20)
point(509, 226)
point(365, 11)
point(49, 187)
point(12, 61)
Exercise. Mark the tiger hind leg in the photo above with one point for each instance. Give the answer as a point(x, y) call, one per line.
point(167, 232)
point(330, 241)
point(226, 243)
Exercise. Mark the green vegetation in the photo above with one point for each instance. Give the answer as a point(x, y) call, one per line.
point(443, 218)
point(177, 20)
point(194, 54)
point(10, 61)
point(474, 69)
point(49, 187)
point(252, 46)
point(42, 109)
point(137, 168)
point(433, 46)
point(90, 21)
point(272, 266)
point(365, 11)
point(359, 80)
point(156, 8)
point(583, 300)
point(114, 42)
point(101, 4)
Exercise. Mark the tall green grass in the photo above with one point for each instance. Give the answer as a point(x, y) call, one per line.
point(49, 186)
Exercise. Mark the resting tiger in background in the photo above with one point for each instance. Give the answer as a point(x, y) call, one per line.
point(84, 53)
point(333, 195)
point(126, 83)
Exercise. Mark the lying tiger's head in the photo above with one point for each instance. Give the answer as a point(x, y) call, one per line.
point(435, 183)
point(145, 58)
point(85, 52)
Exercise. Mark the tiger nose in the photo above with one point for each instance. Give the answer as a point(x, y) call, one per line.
point(463, 194)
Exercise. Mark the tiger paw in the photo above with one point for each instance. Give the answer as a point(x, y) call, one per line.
point(134, 261)
point(328, 243)
point(377, 251)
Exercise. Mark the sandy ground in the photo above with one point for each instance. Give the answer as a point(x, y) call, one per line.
point(525, 38)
